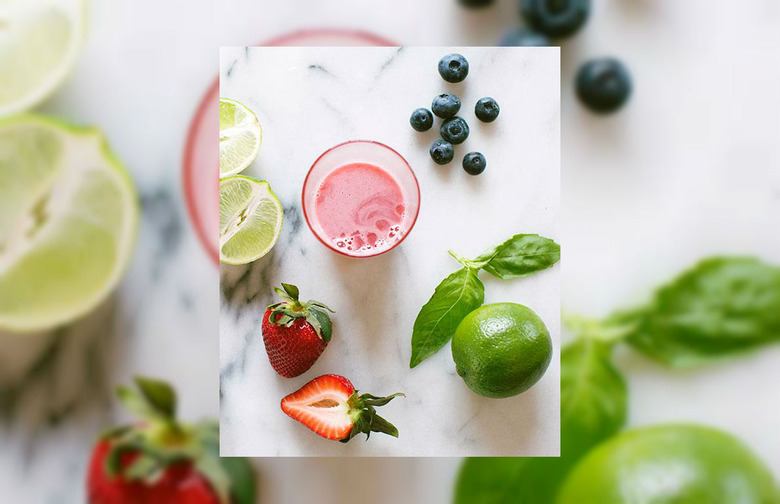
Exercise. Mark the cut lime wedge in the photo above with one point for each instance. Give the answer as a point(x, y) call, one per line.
point(68, 219)
point(250, 219)
point(240, 136)
point(39, 42)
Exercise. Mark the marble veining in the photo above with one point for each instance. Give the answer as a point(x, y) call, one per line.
point(310, 99)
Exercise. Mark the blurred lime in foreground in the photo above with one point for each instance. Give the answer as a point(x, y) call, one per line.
point(68, 219)
point(39, 42)
point(671, 464)
point(240, 136)
point(250, 219)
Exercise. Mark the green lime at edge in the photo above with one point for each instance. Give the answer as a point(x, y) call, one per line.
point(69, 215)
point(502, 349)
point(670, 464)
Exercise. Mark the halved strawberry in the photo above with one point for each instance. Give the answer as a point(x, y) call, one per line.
point(330, 406)
point(295, 333)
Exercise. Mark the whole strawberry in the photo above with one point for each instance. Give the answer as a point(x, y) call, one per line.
point(162, 461)
point(295, 334)
point(330, 406)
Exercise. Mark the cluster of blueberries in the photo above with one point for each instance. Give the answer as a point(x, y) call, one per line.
point(454, 130)
point(603, 84)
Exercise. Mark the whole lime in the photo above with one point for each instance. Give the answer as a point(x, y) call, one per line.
point(501, 349)
point(670, 464)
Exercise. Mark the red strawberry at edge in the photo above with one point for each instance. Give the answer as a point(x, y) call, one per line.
point(179, 483)
point(331, 407)
point(295, 334)
point(162, 461)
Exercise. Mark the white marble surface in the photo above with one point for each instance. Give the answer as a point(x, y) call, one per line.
point(310, 99)
point(146, 65)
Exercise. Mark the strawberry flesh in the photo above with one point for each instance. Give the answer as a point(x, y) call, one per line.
point(321, 405)
point(331, 407)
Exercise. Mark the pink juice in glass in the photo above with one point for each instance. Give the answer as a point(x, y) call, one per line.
point(361, 208)
point(361, 198)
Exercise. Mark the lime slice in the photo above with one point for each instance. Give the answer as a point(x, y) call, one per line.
point(239, 137)
point(250, 219)
point(39, 41)
point(68, 219)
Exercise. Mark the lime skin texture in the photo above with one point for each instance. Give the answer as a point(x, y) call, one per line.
point(501, 350)
point(670, 464)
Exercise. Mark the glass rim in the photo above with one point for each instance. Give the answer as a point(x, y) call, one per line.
point(343, 144)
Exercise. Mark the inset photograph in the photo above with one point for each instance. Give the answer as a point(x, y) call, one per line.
point(389, 251)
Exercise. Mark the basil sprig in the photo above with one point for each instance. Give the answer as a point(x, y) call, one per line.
point(520, 255)
point(462, 292)
point(721, 306)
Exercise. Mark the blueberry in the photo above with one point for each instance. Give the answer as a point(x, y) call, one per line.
point(453, 68)
point(455, 130)
point(421, 119)
point(487, 109)
point(555, 18)
point(523, 37)
point(474, 163)
point(442, 152)
point(603, 85)
point(475, 3)
point(445, 105)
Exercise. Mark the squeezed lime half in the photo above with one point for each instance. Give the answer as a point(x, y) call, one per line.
point(250, 219)
point(68, 219)
point(240, 136)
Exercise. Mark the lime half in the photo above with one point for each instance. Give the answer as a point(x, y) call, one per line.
point(250, 219)
point(68, 219)
point(39, 42)
point(240, 136)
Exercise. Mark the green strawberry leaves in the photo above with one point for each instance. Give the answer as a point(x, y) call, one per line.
point(463, 292)
point(520, 255)
point(155, 400)
point(161, 441)
point(292, 291)
point(158, 394)
point(287, 311)
point(321, 323)
point(456, 296)
point(362, 410)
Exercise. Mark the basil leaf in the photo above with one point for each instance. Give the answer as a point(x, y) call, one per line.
point(456, 296)
point(242, 479)
point(719, 307)
point(593, 408)
point(594, 396)
point(520, 255)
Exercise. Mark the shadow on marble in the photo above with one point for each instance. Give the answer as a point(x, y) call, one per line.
point(369, 284)
point(490, 420)
point(54, 377)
